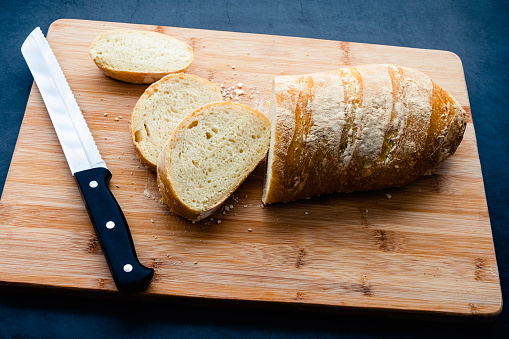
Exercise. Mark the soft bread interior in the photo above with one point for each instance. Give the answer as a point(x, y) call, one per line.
point(213, 151)
point(139, 51)
point(163, 106)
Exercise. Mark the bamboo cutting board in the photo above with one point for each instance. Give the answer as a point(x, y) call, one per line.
point(423, 247)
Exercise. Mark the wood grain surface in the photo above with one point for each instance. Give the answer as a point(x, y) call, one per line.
point(423, 247)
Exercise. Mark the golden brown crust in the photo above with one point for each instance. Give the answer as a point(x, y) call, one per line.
point(136, 77)
point(384, 126)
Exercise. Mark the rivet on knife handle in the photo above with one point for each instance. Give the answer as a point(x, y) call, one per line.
point(112, 231)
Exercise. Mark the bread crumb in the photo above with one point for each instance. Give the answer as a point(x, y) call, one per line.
point(306, 213)
point(169, 256)
point(146, 193)
point(250, 230)
point(152, 220)
point(239, 85)
point(226, 208)
point(388, 195)
point(116, 119)
point(105, 114)
point(396, 166)
point(245, 206)
point(219, 221)
point(231, 206)
point(195, 262)
point(120, 116)
point(233, 66)
point(118, 186)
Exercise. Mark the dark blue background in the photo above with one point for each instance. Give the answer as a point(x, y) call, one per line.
point(478, 31)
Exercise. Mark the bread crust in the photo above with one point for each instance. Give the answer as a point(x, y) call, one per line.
point(355, 129)
point(131, 76)
point(165, 182)
point(136, 118)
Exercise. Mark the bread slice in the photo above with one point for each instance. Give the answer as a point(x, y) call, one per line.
point(139, 57)
point(209, 155)
point(163, 105)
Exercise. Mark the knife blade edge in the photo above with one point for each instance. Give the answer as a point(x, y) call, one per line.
point(79, 145)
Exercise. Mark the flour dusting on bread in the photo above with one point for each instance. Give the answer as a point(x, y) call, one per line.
point(359, 128)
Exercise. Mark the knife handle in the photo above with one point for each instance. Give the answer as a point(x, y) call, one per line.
point(112, 231)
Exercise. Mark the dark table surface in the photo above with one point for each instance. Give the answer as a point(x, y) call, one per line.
point(477, 31)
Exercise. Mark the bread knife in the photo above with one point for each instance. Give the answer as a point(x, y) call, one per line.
point(87, 166)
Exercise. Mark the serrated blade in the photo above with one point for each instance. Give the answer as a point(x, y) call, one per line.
point(73, 133)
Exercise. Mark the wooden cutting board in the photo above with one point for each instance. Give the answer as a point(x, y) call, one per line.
point(423, 247)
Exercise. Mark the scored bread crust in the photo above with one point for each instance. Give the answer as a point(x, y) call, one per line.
point(165, 182)
point(137, 118)
point(355, 129)
point(136, 76)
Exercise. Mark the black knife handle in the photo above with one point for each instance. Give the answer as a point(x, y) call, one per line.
point(112, 231)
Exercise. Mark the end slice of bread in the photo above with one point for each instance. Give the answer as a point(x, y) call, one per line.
point(210, 153)
point(160, 109)
point(140, 57)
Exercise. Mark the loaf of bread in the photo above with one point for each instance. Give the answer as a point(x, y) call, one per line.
point(140, 57)
point(209, 155)
point(162, 106)
point(360, 128)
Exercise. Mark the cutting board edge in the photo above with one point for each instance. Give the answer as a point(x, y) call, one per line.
point(65, 20)
point(492, 313)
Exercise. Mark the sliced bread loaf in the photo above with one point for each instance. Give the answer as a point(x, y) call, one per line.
point(163, 105)
point(139, 57)
point(209, 155)
point(355, 129)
